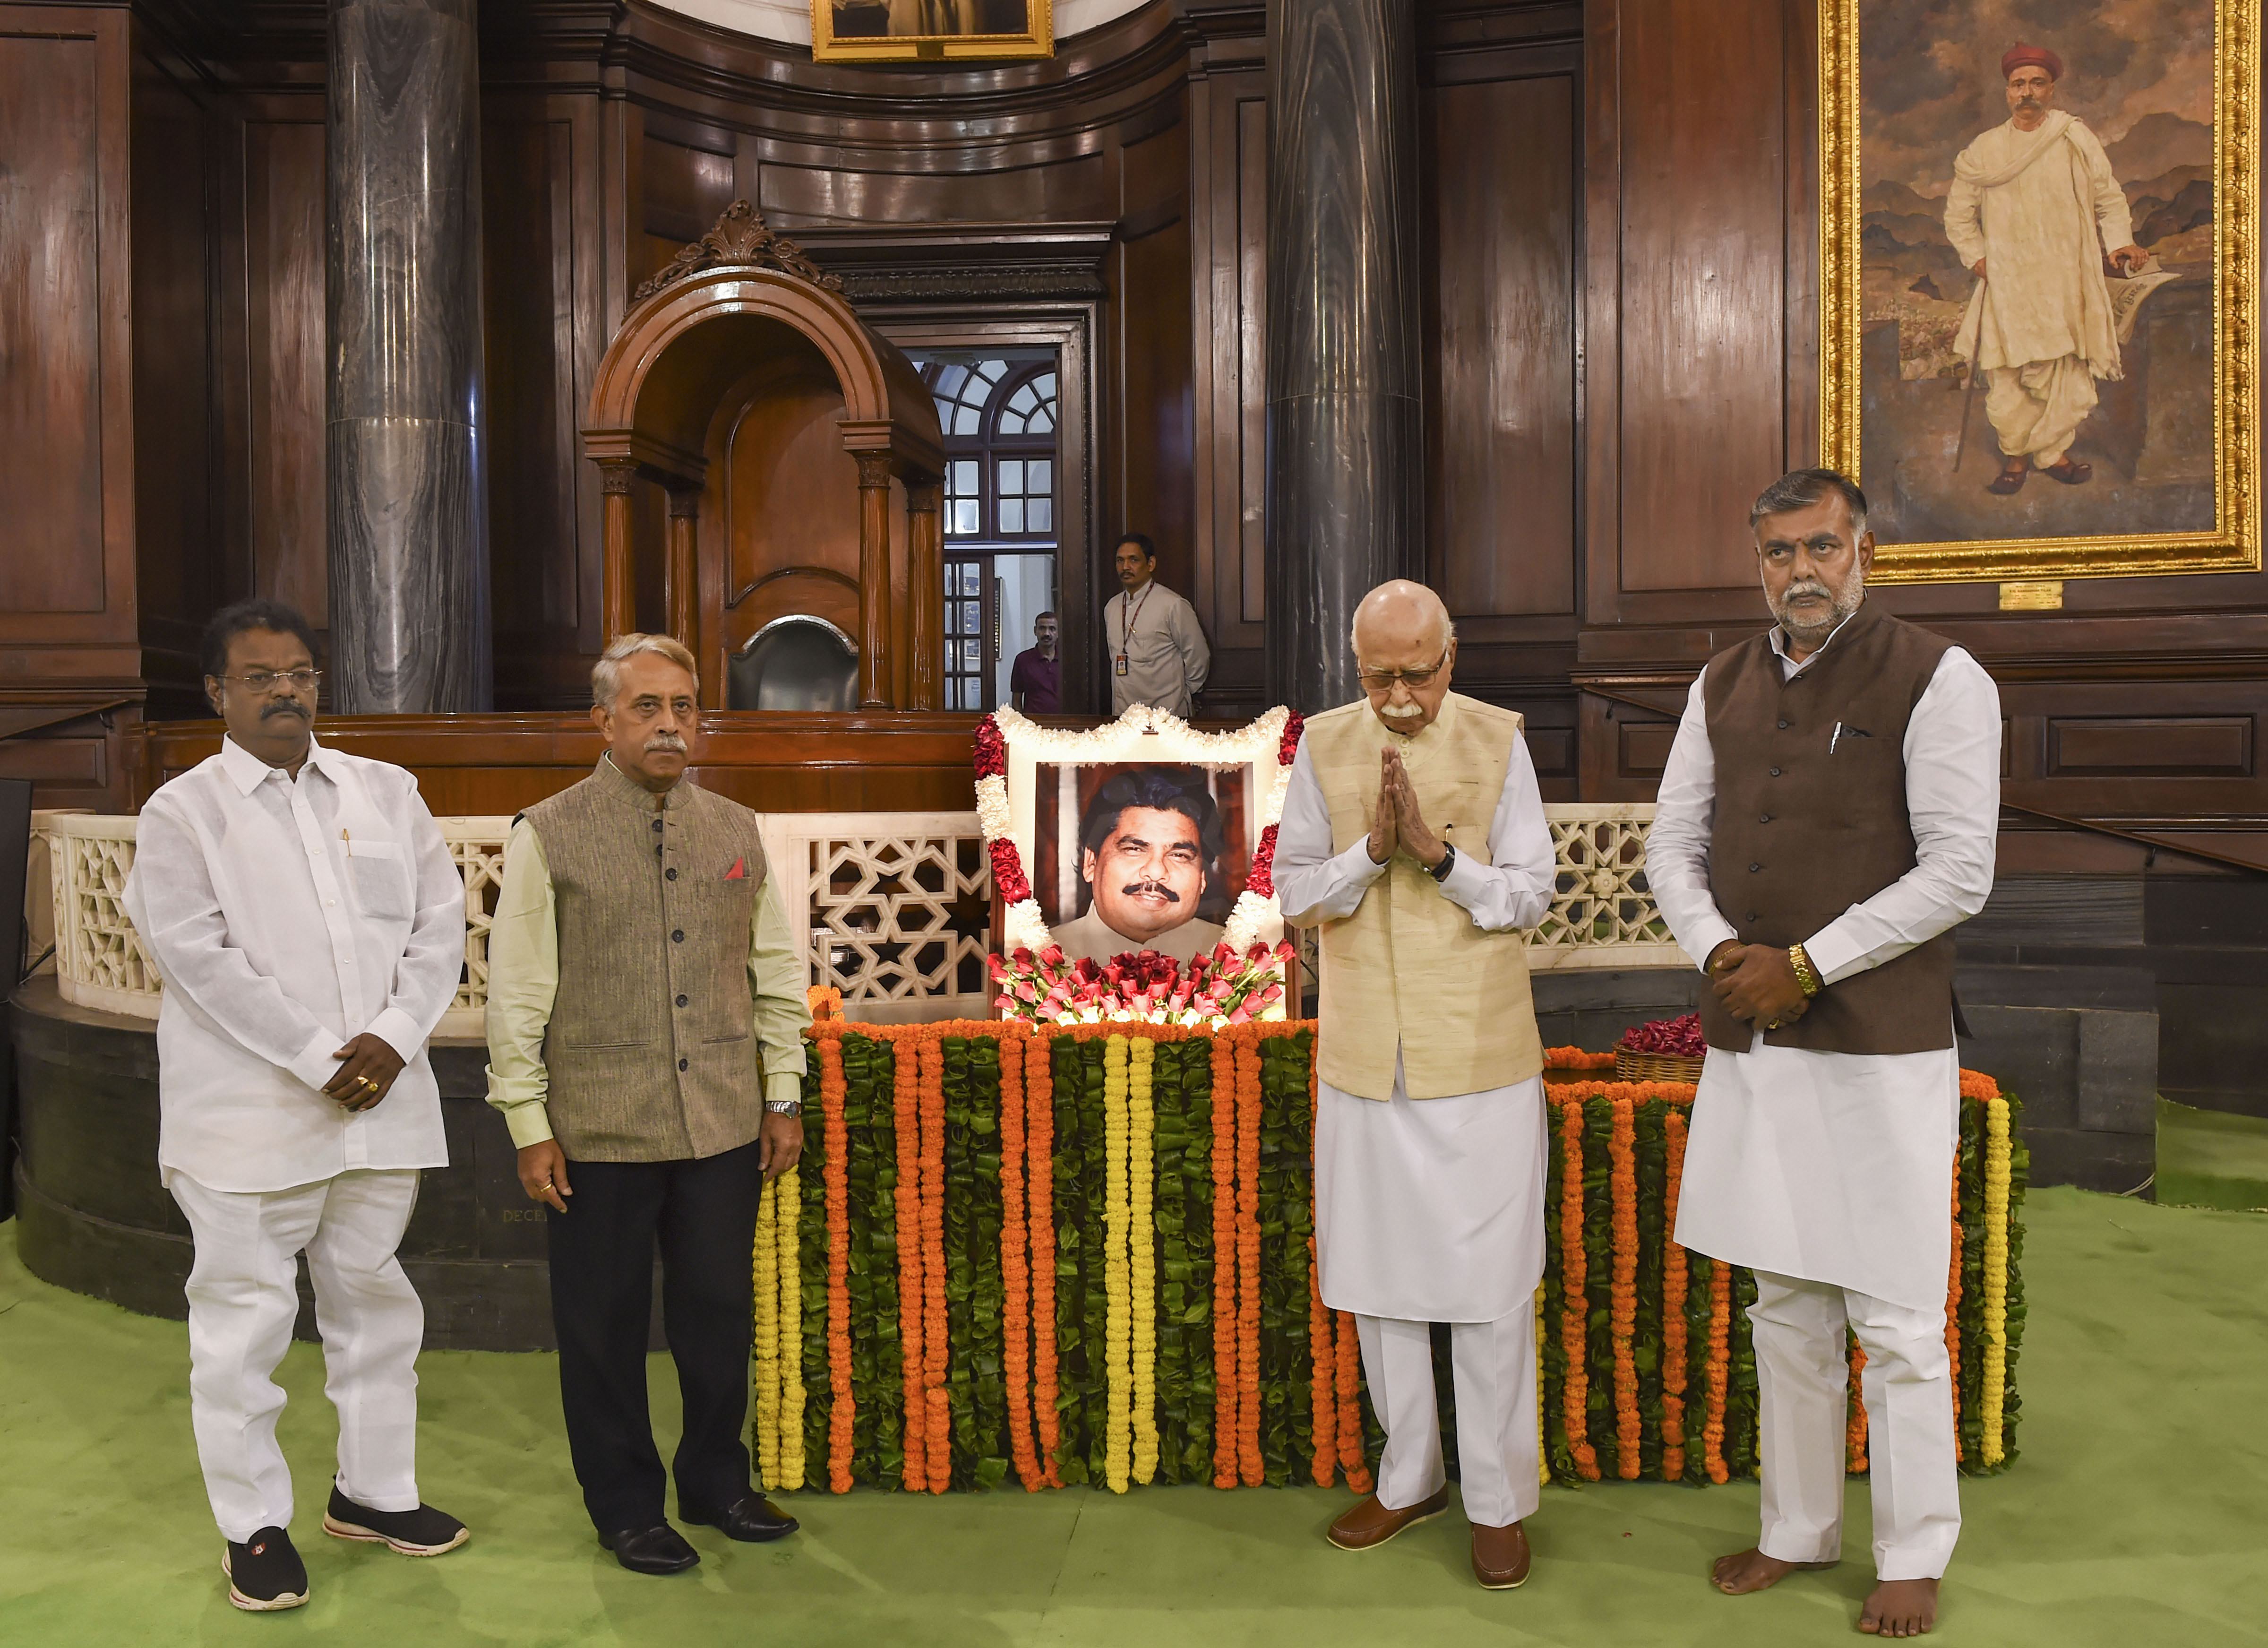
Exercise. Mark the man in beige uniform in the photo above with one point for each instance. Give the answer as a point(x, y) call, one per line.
point(1413, 835)
point(645, 1022)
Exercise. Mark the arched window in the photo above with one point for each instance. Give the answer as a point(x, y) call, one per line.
point(1000, 414)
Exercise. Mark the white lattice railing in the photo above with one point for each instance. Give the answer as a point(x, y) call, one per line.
point(899, 906)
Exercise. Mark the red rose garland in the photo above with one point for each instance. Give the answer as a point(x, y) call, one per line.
point(1008, 869)
point(992, 750)
point(1261, 878)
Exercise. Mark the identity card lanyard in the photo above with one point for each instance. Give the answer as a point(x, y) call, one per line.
point(1126, 628)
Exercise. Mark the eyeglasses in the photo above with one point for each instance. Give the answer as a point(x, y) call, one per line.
point(1383, 680)
point(265, 680)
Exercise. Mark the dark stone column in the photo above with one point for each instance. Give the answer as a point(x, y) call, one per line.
point(1344, 438)
point(408, 546)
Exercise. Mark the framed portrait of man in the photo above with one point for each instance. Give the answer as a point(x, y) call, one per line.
point(2039, 300)
point(1143, 833)
point(1132, 855)
point(904, 31)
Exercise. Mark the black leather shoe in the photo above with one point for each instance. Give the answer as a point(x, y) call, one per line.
point(753, 1521)
point(660, 1549)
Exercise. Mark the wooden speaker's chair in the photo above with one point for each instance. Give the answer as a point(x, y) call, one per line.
point(796, 663)
point(765, 455)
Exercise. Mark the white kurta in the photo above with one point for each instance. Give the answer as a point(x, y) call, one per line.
point(1828, 1166)
point(1429, 1210)
point(285, 918)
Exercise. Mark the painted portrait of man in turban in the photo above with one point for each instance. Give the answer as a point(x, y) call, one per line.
point(2032, 331)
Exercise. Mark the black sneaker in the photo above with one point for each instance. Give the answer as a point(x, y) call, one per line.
point(265, 1572)
point(423, 1531)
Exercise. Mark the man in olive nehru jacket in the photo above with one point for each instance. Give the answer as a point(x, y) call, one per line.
point(1413, 836)
point(1828, 816)
point(645, 1023)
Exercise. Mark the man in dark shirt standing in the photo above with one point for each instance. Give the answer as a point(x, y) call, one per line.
point(1032, 679)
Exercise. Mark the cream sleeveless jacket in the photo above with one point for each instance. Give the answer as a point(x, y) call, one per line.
point(1408, 969)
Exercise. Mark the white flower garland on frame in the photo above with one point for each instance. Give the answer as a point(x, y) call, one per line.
point(1006, 804)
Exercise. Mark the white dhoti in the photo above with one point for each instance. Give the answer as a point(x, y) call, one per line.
point(1431, 1211)
point(243, 1298)
point(2037, 409)
point(1831, 1176)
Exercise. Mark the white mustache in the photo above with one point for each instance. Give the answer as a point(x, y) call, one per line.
point(1398, 713)
point(1807, 588)
point(665, 741)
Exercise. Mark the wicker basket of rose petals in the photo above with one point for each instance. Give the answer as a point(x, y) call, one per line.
point(1666, 1050)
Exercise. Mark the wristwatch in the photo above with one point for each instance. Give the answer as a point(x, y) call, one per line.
point(1440, 872)
point(784, 1107)
point(1806, 975)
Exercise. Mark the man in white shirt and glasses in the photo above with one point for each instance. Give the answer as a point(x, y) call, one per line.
point(309, 925)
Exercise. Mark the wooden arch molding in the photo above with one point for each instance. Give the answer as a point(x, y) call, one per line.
point(739, 295)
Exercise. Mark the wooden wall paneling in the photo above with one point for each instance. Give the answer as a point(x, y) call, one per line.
point(67, 586)
point(1500, 170)
point(1704, 256)
point(1228, 125)
point(687, 174)
point(286, 327)
point(540, 234)
point(496, 765)
point(180, 569)
point(1154, 449)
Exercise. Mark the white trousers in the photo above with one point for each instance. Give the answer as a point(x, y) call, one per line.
point(1803, 1377)
point(1498, 1462)
point(243, 1298)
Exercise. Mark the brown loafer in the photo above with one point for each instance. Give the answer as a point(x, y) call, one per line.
point(1500, 1556)
point(2070, 472)
point(1370, 1524)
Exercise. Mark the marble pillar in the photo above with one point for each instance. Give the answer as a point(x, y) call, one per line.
point(1346, 459)
point(409, 547)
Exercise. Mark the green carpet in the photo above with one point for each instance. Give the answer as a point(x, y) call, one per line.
point(2136, 1515)
point(2210, 1158)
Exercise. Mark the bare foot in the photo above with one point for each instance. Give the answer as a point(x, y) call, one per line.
point(1751, 1569)
point(1900, 1608)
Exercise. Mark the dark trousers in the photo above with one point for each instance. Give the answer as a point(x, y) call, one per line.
point(703, 1215)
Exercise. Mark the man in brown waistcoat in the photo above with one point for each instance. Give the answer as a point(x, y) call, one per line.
point(1827, 817)
point(645, 1038)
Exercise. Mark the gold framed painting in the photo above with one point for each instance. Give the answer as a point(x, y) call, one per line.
point(2039, 284)
point(914, 31)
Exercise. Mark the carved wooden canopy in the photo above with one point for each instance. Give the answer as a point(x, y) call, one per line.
point(740, 240)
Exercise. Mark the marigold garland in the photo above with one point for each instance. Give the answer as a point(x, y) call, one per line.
point(1322, 1367)
point(1015, 1282)
point(1250, 1465)
point(1256, 1281)
point(1991, 1398)
point(1351, 1455)
point(1142, 1250)
point(1574, 1275)
point(907, 1200)
point(835, 1179)
point(767, 1347)
point(1673, 1285)
point(1952, 1311)
point(1720, 1362)
point(1040, 1203)
point(1226, 1390)
point(1623, 1187)
point(1854, 1431)
point(1118, 1333)
point(1542, 1437)
point(787, 1192)
point(937, 1422)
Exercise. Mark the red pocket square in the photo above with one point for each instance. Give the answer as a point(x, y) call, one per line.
point(739, 870)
